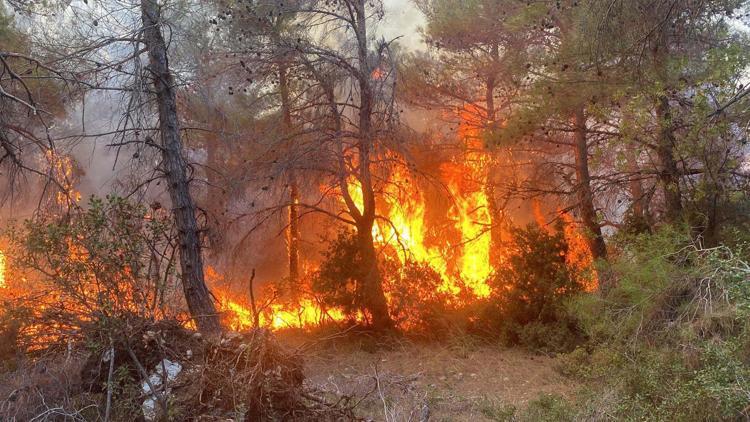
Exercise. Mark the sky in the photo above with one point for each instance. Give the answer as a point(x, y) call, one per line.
point(402, 19)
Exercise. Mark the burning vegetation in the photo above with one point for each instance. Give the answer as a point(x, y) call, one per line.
point(257, 182)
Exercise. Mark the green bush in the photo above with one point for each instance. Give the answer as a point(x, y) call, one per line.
point(336, 282)
point(668, 339)
point(548, 408)
point(416, 302)
point(529, 292)
point(97, 266)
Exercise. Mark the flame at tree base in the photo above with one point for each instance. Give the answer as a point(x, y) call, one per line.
point(239, 316)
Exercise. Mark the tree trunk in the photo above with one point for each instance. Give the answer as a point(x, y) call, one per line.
point(372, 287)
point(198, 299)
point(669, 175)
point(293, 228)
point(496, 252)
point(583, 188)
point(639, 203)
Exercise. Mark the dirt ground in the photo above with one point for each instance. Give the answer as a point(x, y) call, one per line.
point(457, 382)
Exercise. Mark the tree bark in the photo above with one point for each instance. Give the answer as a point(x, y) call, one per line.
point(372, 288)
point(583, 188)
point(639, 203)
point(669, 175)
point(293, 234)
point(198, 299)
point(372, 285)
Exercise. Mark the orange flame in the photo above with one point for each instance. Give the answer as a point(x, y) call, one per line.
point(61, 170)
point(579, 257)
point(2, 270)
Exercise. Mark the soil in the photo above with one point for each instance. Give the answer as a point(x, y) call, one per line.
point(459, 382)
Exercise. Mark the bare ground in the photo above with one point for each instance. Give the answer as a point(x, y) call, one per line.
point(457, 382)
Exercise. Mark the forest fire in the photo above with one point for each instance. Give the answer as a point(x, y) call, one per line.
point(456, 245)
point(463, 255)
point(441, 200)
point(240, 317)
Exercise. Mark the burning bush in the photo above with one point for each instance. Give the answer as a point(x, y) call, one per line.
point(416, 298)
point(529, 292)
point(107, 263)
point(90, 301)
point(338, 279)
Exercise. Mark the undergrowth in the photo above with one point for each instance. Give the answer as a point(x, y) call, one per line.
point(668, 334)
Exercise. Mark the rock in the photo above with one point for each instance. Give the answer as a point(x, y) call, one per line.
point(156, 380)
point(425, 413)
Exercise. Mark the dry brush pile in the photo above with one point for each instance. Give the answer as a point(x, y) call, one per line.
point(163, 371)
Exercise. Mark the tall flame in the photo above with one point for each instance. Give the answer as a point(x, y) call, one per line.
point(458, 247)
point(404, 227)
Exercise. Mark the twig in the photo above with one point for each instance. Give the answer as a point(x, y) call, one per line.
point(256, 317)
point(159, 398)
point(109, 380)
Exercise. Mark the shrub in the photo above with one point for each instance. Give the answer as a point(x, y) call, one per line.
point(336, 282)
point(416, 301)
point(548, 408)
point(102, 264)
point(669, 337)
point(530, 290)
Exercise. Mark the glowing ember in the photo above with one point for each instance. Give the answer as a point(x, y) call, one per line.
point(61, 169)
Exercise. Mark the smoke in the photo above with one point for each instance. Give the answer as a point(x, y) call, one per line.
point(403, 20)
point(102, 167)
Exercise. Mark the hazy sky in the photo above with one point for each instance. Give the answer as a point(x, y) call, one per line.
point(402, 18)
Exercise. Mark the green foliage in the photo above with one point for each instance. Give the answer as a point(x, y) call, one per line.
point(416, 302)
point(97, 267)
point(535, 277)
point(669, 336)
point(530, 290)
point(500, 412)
point(548, 408)
point(545, 408)
point(337, 280)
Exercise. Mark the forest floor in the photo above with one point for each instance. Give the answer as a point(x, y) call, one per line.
point(462, 381)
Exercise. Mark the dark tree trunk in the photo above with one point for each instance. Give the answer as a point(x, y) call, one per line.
point(583, 188)
point(293, 235)
point(372, 287)
point(669, 175)
point(639, 202)
point(198, 299)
